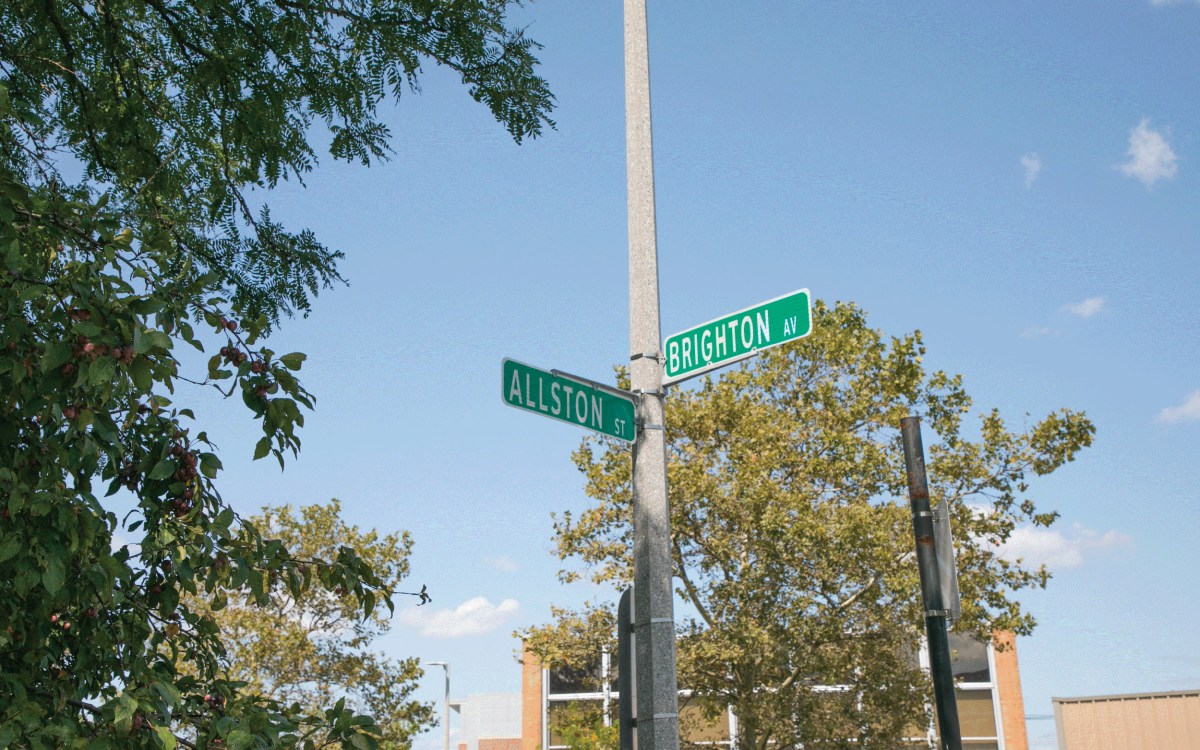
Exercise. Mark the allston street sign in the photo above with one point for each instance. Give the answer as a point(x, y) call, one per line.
point(736, 336)
point(569, 400)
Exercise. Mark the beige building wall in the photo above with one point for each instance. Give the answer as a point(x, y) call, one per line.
point(1144, 721)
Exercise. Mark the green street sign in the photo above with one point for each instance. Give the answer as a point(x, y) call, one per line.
point(607, 411)
point(737, 336)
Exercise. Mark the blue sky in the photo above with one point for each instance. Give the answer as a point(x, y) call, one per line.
point(1018, 181)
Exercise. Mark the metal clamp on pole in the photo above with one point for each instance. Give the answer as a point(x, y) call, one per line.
point(592, 383)
point(643, 392)
point(656, 356)
point(937, 613)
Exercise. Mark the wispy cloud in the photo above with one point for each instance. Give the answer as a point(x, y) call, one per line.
point(1056, 550)
point(1034, 332)
point(473, 617)
point(1085, 309)
point(1188, 411)
point(503, 563)
point(1150, 156)
point(1033, 165)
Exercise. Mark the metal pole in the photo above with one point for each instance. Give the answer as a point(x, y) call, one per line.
point(657, 689)
point(625, 668)
point(445, 699)
point(950, 735)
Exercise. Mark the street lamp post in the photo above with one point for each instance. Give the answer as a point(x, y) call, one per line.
point(446, 701)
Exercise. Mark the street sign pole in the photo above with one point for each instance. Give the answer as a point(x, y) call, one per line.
point(935, 611)
point(657, 687)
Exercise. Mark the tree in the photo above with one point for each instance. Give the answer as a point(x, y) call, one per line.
point(314, 648)
point(792, 534)
point(137, 140)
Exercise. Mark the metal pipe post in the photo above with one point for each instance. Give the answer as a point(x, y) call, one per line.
point(950, 734)
point(625, 670)
point(657, 688)
point(445, 699)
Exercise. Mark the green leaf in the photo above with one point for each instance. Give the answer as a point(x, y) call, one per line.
point(163, 469)
point(102, 371)
point(262, 448)
point(54, 575)
point(209, 465)
point(57, 355)
point(294, 360)
point(10, 546)
point(126, 706)
point(139, 372)
point(164, 739)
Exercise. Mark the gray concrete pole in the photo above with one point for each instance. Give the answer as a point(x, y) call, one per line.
point(657, 688)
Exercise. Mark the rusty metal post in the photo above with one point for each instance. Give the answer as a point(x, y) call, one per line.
point(949, 734)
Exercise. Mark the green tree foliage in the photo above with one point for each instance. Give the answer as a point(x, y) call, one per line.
point(314, 648)
point(792, 535)
point(133, 136)
point(580, 726)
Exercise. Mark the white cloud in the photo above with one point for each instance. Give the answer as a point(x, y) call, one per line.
point(1150, 156)
point(473, 617)
point(503, 563)
point(1033, 332)
point(1086, 308)
point(1188, 411)
point(1054, 549)
point(1032, 164)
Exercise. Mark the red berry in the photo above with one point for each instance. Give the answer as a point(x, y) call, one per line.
point(231, 325)
point(53, 618)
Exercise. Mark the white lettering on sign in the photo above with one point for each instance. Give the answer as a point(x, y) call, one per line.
point(514, 389)
point(569, 390)
point(789, 326)
point(557, 408)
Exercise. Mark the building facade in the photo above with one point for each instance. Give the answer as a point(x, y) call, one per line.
point(990, 707)
point(1137, 721)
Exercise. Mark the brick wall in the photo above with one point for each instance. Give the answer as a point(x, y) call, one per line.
point(505, 743)
point(531, 702)
point(1008, 683)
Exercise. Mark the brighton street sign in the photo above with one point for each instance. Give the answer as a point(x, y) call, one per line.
point(551, 394)
point(737, 336)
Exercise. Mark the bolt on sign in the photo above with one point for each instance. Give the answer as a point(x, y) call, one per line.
point(565, 399)
point(737, 336)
